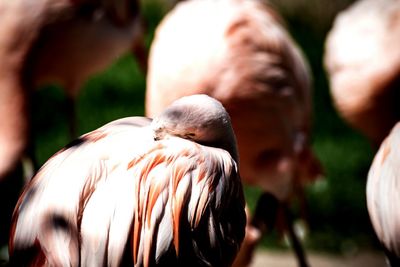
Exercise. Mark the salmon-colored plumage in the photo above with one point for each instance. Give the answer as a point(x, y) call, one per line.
point(240, 53)
point(147, 193)
point(383, 195)
point(362, 59)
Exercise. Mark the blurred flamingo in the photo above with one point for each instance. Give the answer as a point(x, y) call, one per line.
point(58, 41)
point(383, 195)
point(82, 39)
point(137, 192)
point(240, 53)
point(362, 59)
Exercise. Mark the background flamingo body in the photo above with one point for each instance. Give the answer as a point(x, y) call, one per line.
point(58, 41)
point(137, 192)
point(362, 60)
point(240, 53)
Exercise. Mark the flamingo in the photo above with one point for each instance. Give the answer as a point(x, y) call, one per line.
point(383, 195)
point(138, 192)
point(362, 61)
point(53, 41)
point(240, 53)
point(58, 41)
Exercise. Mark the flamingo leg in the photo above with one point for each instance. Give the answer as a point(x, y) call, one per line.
point(70, 106)
point(263, 221)
point(294, 239)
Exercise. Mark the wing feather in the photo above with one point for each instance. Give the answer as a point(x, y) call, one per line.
point(48, 215)
point(197, 182)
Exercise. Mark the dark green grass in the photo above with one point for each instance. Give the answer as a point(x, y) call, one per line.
point(338, 219)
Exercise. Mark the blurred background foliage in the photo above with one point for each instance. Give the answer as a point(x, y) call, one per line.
point(337, 215)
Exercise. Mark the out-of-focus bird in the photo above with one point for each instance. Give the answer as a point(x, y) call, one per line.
point(383, 195)
point(240, 53)
point(54, 41)
point(362, 59)
point(58, 41)
point(76, 39)
point(137, 192)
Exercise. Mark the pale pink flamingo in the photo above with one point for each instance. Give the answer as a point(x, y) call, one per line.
point(53, 41)
point(240, 53)
point(82, 39)
point(362, 59)
point(137, 192)
point(383, 195)
point(56, 41)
